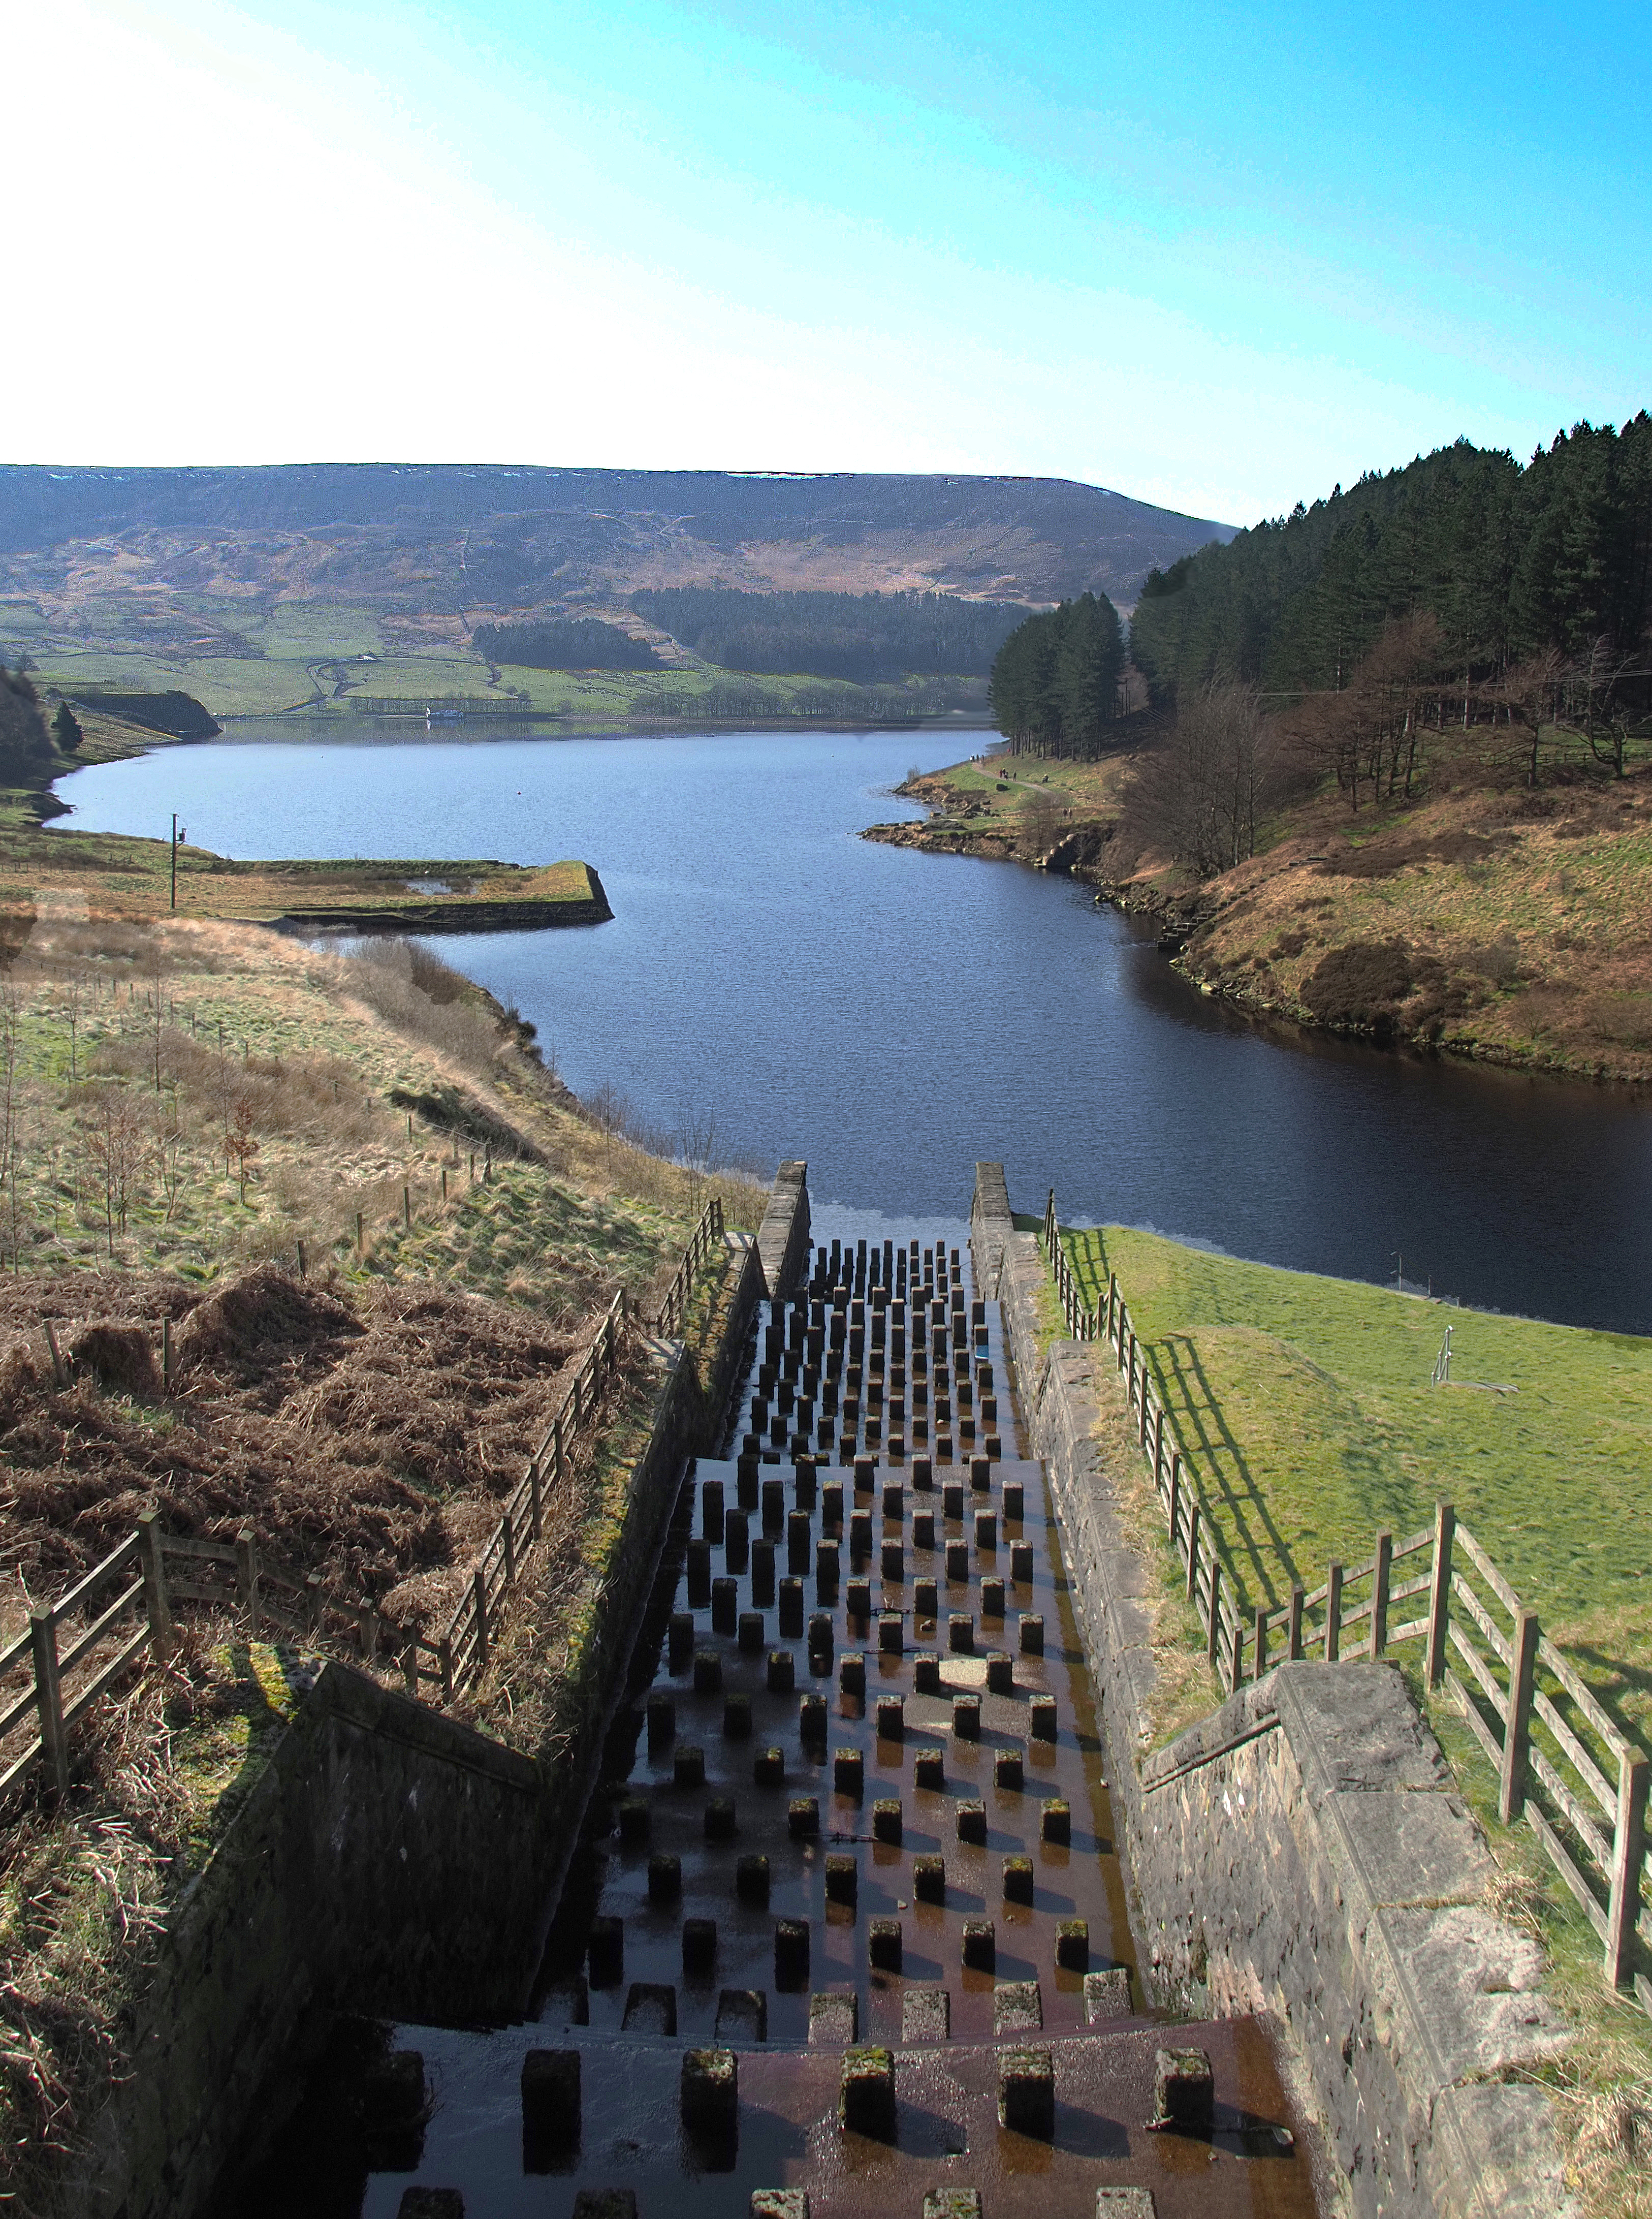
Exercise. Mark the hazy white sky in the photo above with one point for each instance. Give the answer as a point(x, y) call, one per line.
point(1215, 257)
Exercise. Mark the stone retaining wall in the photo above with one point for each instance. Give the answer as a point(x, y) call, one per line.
point(782, 1236)
point(1301, 1852)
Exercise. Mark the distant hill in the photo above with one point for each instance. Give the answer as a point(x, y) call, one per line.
point(242, 585)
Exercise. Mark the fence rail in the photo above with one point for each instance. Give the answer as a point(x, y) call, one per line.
point(1562, 1761)
point(77, 1648)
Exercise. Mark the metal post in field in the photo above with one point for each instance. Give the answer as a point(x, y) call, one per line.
point(48, 1693)
point(1517, 1731)
point(1439, 1592)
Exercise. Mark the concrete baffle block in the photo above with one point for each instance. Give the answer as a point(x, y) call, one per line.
point(699, 1947)
point(821, 1642)
point(768, 1768)
point(736, 1542)
point(710, 1510)
point(781, 1672)
point(884, 1945)
point(849, 1772)
point(708, 1671)
point(680, 1638)
point(605, 1952)
point(1018, 1880)
point(1000, 1673)
point(1184, 2092)
point(780, 2204)
point(992, 1598)
point(392, 2090)
point(696, 1565)
point(960, 1634)
point(1008, 1771)
point(972, 1821)
point(952, 1500)
point(842, 1879)
point(923, 1476)
point(709, 2091)
point(811, 1721)
point(661, 1716)
point(929, 1768)
point(1015, 1502)
point(790, 1953)
point(802, 1817)
point(1026, 2092)
point(866, 2103)
point(1021, 1564)
point(986, 1530)
point(857, 1601)
point(893, 1563)
point(966, 1718)
point(650, 2008)
point(1032, 1635)
point(804, 1472)
point(751, 1879)
point(725, 1603)
point(1072, 1945)
point(859, 1537)
point(743, 2015)
point(929, 1879)
point(605, 2203)
point(763, 1574)
point(791, 1608)
point(956, 1562)
point(852, 1673)
point(891, 1634)
point(799, 1540)
point(748, 1471)
point(827, 1567)
point(865, 1474)
point(550, 2095)
point(831, 1506)
point(926, 1672)
point(431, 2204)
point(636, 1821)
point(736, 1717)
point(923, 1529)
point(980, 1473)
point(980, 1945)
point(951, 2204)
point(722, 1820)
point(665, 1879)
point(886, 1819)
point(1125, 2204)
point(1017, 2008)
point(774, 1511)
point(1107, 1994)
point(1055, 1823)
point(926, 2015)
point(891, 1718)
point(1041, 1725)
point(834, 2018)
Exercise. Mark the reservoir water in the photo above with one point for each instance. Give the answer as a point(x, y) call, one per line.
point(893, 1017)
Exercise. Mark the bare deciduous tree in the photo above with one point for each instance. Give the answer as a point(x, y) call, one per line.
point(115, 1142)
point(1200, 793)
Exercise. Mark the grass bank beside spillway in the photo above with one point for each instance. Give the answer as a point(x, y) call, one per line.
point(1307, 1407)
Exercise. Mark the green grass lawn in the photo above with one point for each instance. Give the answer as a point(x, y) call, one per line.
point(1306, 1407)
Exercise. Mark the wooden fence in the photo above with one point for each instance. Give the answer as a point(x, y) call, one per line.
point(707, 1233)
point(1562, 1763)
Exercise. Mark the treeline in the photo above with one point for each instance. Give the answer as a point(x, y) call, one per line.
point(564, 643)
point(758, 704)
point(861, 636)
point(1055, 681)
point(178, 715)
point(1508, 564)
point(26, 750)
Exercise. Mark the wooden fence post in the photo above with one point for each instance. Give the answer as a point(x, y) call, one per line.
point(1295, 1639)
point(536, 1501)
point(314, 1601)
point(59, 1376)
point(1193, 1547)
point(444, 1650)
point(508, 1532)
point(1176, 1495)
point(478, 1589)
point(410, 1669)
point(1381, 1581)
point(246, 1575)
point(1439, 1592)
point(1236, 1667)
point(1333, 1614)
point(1213, 1630)
point(48, 1693)
point(157, 1609)
point(557, 1447)
point(1517, 1732)
point(1260, 1664)
point(1628, 1854)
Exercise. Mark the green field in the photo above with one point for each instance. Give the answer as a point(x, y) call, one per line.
point(1306, 1406)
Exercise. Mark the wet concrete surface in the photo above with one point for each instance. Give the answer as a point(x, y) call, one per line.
point(851, 1802)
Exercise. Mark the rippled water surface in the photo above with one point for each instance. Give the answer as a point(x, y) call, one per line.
point(893, 1017)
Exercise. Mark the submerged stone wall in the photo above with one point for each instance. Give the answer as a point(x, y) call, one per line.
point(1301, 1852)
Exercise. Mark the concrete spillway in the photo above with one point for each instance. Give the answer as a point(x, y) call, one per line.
point(848, 1921)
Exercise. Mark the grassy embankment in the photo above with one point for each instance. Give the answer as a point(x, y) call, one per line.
point(366, 1422)
point(1513, 926)
point(1306, 1407)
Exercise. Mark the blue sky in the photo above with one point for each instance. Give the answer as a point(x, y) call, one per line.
point(1215, 257)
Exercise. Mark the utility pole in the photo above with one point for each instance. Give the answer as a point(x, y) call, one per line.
point(175, 859)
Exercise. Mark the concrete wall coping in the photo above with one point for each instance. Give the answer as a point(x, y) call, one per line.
point(782, 1236)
